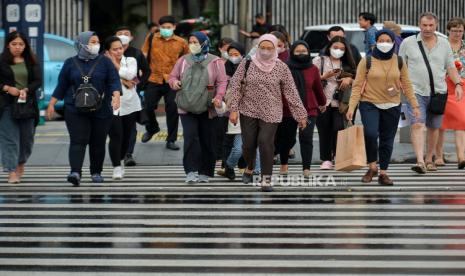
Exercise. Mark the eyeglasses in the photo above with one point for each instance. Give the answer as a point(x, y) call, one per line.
point(456, 31)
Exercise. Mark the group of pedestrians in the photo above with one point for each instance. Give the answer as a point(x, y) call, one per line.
point(242, 108)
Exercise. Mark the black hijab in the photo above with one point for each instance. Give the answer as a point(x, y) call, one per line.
point(229, 66)
point(297, 64)
point(377, 53)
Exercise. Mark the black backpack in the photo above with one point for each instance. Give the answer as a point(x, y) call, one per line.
point(86, 98)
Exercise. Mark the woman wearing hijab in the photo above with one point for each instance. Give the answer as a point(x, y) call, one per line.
point(90, 128)
point(260, 104)
point(199, 155)
point(307, 79)
point(234, 53)
point(380, 103)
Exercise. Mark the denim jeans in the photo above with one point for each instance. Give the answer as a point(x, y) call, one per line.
point(382, 124)
point(236, 153)
point(16, 140)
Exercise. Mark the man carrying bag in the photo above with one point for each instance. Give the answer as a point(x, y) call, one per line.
point(429, 58)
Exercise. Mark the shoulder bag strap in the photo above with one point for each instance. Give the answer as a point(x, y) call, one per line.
point(430, 73)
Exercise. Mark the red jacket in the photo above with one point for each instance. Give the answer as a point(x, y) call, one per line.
point(315, 96)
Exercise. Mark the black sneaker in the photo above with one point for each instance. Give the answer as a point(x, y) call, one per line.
point(74, 178)
point(148, 135)
point(172, 146)
point(129, 161)
point(247, 178)
point(229, 173)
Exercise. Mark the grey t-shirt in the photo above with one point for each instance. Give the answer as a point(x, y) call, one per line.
point(440, 59)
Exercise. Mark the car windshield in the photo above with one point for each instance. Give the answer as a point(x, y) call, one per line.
point(317, 40)
point(59, 50)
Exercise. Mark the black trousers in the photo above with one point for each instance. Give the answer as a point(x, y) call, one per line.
point(86, 130)
point(328, 124)
point(199, 154)
point(152, 95)
point(120, 136)
point(256, 132)
point(285, 138)
point(221, 127)
point(306, 143)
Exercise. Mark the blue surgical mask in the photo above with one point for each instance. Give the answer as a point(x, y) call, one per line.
point(166, 33)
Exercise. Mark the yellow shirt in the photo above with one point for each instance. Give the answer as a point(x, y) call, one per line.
point(383, 75)
point(163, 56)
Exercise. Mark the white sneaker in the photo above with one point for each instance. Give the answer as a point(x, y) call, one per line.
point(203, 178)
point(117, 173)
point(192, 177)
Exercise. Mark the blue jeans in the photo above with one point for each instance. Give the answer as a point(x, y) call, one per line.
point(382, 124)
point(16, 140)
point(236, 153)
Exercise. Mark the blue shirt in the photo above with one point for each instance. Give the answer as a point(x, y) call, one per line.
point(370, 39)
point(105, 79)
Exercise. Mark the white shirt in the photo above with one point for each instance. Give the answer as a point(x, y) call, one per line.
point(130, 101)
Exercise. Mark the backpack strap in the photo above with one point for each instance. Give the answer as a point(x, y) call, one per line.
point(86, 77)
point(400, 62)
point(322, 64)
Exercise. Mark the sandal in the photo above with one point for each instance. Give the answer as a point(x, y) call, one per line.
point(439, 162)
point(431, 167)
point(419, 168)
point(461, 165)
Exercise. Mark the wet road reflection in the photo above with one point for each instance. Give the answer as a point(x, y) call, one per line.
point(224, 227)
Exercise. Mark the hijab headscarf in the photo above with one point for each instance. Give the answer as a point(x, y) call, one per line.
point(377, 53)
point(205, 43)
point(266, 65)
point(229, 66)
point(296, 65)
point(81, 45)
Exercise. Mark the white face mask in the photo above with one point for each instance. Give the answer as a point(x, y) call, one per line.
point(93, 49)
point(384, 46)
point(124, 39)
point(225, 55)
point(195, 48)
point(235, 60)
point(336, 53)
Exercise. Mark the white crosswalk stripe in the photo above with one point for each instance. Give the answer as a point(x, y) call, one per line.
point(154, 223)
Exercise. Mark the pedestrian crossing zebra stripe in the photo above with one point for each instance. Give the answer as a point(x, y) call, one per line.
point(153, 222)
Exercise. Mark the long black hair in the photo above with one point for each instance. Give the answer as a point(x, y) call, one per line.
point(110, 41)
point(348, 63)
point(27, 54)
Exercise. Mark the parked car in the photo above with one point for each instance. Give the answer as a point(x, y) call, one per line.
point(57, 49)
point(316, 36)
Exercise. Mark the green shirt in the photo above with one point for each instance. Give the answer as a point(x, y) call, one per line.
point(20, 72)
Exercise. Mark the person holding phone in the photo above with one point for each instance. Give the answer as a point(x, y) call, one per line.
point(337, 59)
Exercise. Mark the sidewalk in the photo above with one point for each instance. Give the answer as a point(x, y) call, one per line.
point(52, 141)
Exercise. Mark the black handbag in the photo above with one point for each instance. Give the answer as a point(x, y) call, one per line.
point(142, 117)
point(437, 104)
point(25, 110)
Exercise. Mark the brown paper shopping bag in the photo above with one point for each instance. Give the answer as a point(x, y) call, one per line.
point(350, 151)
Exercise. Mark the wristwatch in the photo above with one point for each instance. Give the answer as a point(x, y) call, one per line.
point(459, 83)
